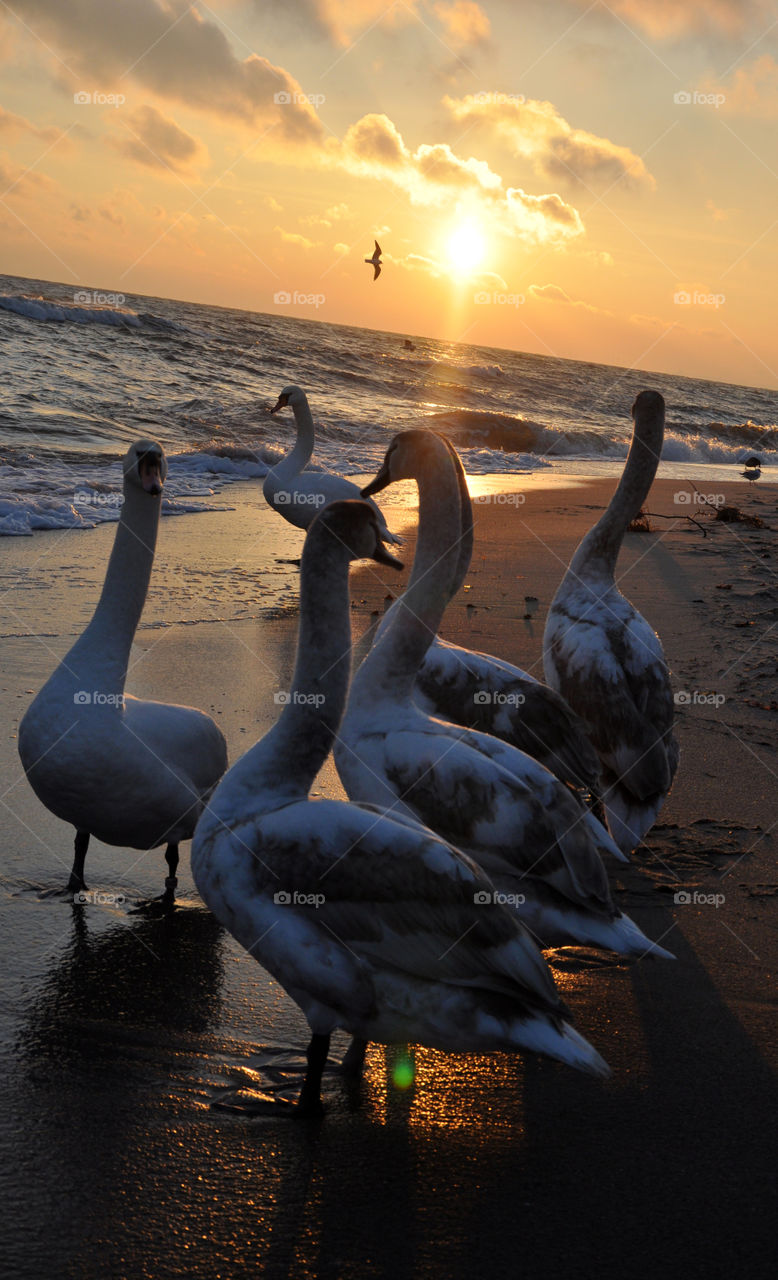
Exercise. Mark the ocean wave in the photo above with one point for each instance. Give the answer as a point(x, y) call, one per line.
point(39, 308)
point(512, 434)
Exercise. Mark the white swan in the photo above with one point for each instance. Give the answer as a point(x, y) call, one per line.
point(129, 772)
point(370, 923)
point(299, 495)
point(606, 660)
point(494, 696)
point(524, 827)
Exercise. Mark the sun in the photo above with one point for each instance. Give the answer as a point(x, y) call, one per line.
point(465, 248)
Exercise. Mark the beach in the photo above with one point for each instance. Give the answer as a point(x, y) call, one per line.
point(121, 1030)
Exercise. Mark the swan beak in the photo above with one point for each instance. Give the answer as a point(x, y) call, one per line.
point(376, 485)
point(280, 403)
point(151, 476)
point(383, 557)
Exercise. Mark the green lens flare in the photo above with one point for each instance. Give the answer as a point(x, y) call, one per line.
point(402, 1075)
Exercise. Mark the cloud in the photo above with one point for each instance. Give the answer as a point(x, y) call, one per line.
point(438, 271)
point(465, 22)
point(291, 237)
point(158, 142)
point(169, 48)
point(434, 176)
point(553, 293)
point(672, 19)
point(17, 181)
point(13, 125)
point(752, 91)
point(536, 131)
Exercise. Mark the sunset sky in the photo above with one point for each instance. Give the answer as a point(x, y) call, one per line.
point(582, 180)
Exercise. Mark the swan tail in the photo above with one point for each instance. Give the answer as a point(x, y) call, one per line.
point(629, 820)
point(606, 842)
point(563, 1043)
point(633, 941)
point(554, 925)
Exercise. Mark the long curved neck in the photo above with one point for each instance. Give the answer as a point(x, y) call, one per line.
point(600, 548)
point(285, 762)
point(300, 455)
point(411, 624)
point(466, 515)
point(102, 652)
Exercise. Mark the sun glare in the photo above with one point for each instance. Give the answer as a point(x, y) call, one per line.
point(465, 248)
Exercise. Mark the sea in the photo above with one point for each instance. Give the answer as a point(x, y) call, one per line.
point(86, 372)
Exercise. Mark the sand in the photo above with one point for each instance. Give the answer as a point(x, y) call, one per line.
point(121, 1029)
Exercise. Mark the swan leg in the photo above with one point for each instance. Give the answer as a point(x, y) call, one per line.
point(76, 882)
point(310, 1095)
point(354, 1060)
point(171, 858)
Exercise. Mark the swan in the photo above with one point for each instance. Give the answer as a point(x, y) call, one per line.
point(368, 921)
point(607, 661)
point(130, 772)
point(299, 495)
point(519, 823)
point(486, 693)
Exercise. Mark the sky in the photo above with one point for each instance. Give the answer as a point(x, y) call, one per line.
point(586, 180)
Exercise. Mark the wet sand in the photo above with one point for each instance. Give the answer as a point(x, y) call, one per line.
point(121, 1030)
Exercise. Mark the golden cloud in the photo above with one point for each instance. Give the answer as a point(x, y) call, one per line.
point(433, 175)
point(536, 131)
point(154, 140)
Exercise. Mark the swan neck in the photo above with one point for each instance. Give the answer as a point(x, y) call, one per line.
point(600, 548)
point(103, 651)
point(411, 624)
point(287, 759)
point(301, 454)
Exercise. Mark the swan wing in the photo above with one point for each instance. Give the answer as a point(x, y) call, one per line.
point(387, 894)
point(505, 822)
point(611, 669)
point(491, 695)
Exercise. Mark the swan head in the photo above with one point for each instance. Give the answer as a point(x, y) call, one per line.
point(289, 395)
point(353, 526)
point(145, 466)
point(648, 404)
point(406, 456)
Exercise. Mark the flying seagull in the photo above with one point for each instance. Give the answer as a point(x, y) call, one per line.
point(375, 261)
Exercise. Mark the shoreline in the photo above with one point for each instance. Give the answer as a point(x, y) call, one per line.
point(119, 1030)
